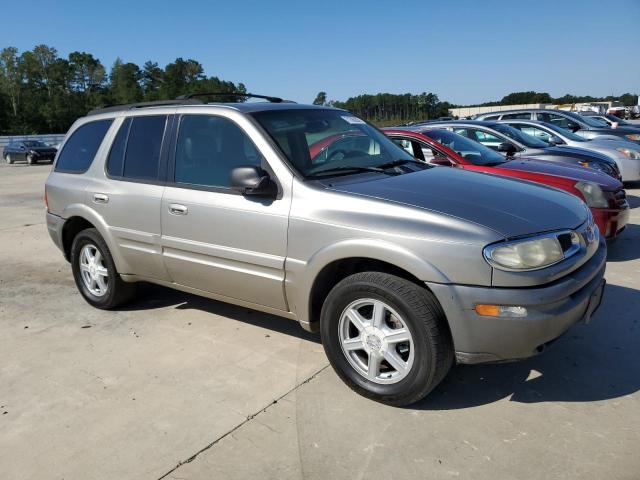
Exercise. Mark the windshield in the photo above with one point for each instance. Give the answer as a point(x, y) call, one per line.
point(517, 135)
point(33, 143)
point(472, 151)
point(592, 122)
point(319, 142)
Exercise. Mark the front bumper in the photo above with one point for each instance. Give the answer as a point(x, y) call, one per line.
point(551, 310)
point(610, 221)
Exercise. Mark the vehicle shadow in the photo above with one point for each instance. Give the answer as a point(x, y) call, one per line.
point(589, 363)
point(150, 296)
point(626, 246)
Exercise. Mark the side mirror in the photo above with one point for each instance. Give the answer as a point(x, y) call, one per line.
point(508, 148)
point(574, 127)
point(554, 141)
point(440, 160)
point(252, 180)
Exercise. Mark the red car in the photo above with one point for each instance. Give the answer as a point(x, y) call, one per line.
point(603, 194)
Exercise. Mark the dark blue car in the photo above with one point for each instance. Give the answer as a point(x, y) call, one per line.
point(30, 151)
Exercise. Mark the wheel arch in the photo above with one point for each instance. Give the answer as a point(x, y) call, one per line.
point(79, 217)
point(310, 282)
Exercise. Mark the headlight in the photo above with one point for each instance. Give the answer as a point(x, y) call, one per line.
point(593, 194)
point(533, 253)
point(634, 137)
point(629, 153)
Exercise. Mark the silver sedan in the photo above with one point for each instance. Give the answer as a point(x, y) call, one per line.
point(625, 154)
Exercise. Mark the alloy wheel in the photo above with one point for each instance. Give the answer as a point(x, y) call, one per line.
point(95, 274)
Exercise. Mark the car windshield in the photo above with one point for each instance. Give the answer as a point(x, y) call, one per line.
point(472, 151)
point(33, 143)
point(323, 142)
point(517, 135)
point(592, 122)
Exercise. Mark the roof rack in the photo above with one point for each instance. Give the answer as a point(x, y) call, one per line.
point(190, 96)
point(157, 103)
point(186, 99)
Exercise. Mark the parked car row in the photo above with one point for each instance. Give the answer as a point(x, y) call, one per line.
point(403, 265)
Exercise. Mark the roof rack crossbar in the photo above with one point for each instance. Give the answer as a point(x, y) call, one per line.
point(189, 96)
point(131, 106)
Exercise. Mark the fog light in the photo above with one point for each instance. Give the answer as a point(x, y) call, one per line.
point(500, 311)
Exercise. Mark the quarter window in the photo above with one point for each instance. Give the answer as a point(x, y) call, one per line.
point(208, 148)
point(81, 148)
point(115, 162)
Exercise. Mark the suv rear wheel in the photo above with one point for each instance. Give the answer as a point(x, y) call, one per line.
point(386, 337)
point(95, 272)
point(9, 159)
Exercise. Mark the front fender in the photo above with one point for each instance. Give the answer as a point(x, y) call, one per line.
point(301, 275)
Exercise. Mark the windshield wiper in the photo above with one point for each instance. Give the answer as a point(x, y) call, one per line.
point(353, 169)
point(397, 163)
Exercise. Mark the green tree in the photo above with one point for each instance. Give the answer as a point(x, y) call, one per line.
point(11, 77)
point(125, 82)
point(321, 99)
point(152, 78)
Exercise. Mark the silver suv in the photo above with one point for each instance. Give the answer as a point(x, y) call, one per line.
point(312, 214)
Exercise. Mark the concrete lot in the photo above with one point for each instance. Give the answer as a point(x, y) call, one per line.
point(174, 386)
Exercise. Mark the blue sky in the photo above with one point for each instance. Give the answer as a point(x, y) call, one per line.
point(465, 51)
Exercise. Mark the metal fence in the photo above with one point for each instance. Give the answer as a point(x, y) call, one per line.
point(49, 138)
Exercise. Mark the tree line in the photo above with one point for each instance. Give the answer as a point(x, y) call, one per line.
point(43, 92)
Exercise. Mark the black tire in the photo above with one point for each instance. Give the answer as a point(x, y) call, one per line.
point(424, 318)
point(118, 291)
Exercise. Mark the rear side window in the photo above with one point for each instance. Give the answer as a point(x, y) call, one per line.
point(135, 152)
point(142, 158)
point(521, 115)
point(79, 150)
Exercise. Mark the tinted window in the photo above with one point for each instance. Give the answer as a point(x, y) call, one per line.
point(521, 115)
point(475, 152)
point(208, 148)
point(115, 162)
point(78, 152)
point(142, 158)
point(557, 120)
point(491, 117)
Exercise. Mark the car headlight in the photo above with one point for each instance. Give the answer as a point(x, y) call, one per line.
point(634, 137)
point(629, 153)
point(593, 194)
point(533, 253)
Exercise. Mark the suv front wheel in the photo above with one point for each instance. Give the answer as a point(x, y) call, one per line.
point(95, 272)
point(386, 337)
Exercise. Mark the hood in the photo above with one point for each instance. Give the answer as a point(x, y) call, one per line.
point(602, 144)
point(566, 171)
point(42, 149)
point(510, 207)
point(580, 153)
point(618, 131)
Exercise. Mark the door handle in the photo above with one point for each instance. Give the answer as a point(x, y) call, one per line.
point(100, 198)
point(177, 209)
